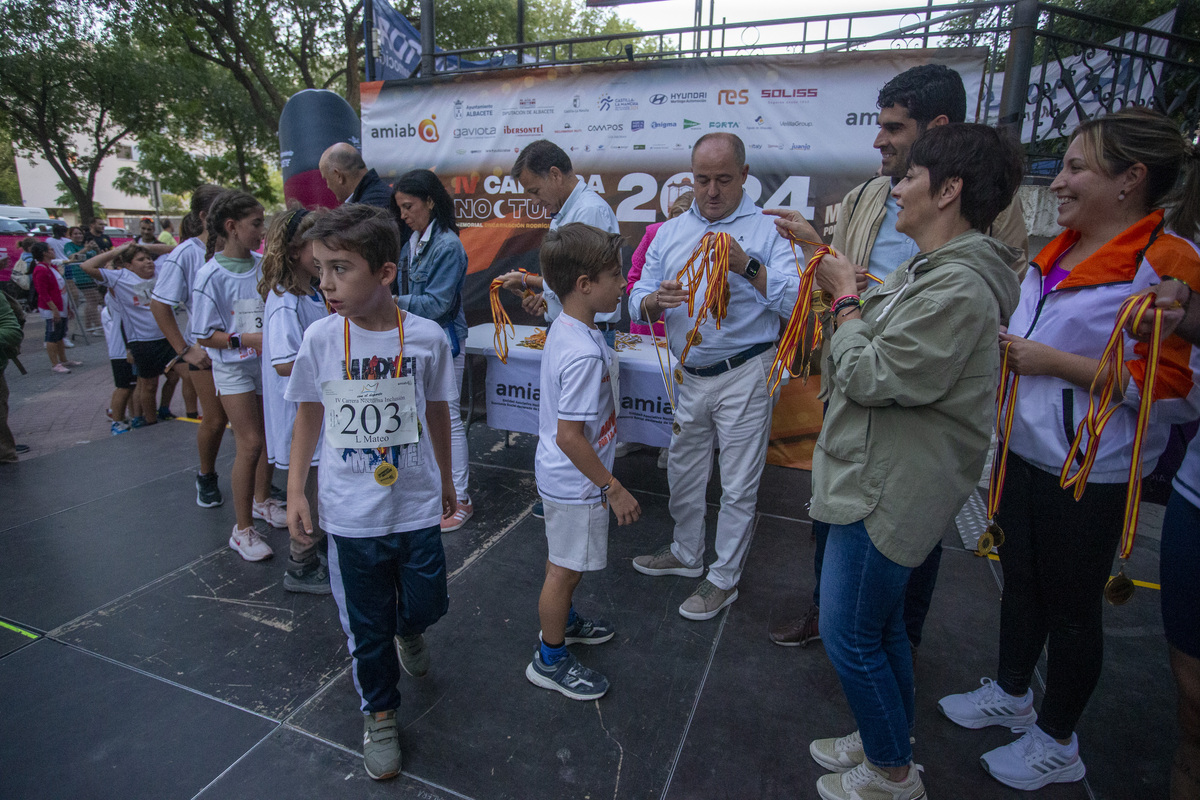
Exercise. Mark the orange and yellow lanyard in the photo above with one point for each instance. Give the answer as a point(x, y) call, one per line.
point(798, 321)
point(504, 326)
point(1100, 412)
point(1006, 405)
point(399, 358)
point(710, 262)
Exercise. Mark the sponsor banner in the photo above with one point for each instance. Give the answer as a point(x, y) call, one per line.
point(808, 123)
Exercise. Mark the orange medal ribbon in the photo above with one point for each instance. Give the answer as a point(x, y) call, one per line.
point(504, 326)
point(709, 261)
point(798, 322)
point(1006, 406)
point(1100, 412)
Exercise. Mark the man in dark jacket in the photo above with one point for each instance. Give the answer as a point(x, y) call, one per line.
point(347, 176)
point(10, 346)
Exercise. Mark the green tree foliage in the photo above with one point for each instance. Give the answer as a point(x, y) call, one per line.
point(10, 187)
point(72, 90)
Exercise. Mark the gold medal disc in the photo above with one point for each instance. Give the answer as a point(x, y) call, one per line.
point(1119, 589)
point(675, 429)
point(678, 375)
point(985, 543)
point(822, 301)
point(386, 474)
point(695, 338)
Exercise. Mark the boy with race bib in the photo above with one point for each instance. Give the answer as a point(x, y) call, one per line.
point(380, 380)
point(577, 440)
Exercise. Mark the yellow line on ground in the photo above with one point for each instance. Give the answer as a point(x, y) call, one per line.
point(15, 629)
point(1143, 584)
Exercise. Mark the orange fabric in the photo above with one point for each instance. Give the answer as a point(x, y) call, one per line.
point(1110, 264)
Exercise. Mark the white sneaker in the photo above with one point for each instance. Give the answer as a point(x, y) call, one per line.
point(989, 705)
point(662, 458)
point(841, 754)
point(67, 343)
point(248, 544)
point(1034, 760)
point(868, 782)
point(625, 448)
point(270, 511)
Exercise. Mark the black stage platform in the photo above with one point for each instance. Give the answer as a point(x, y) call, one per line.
point(141, 658)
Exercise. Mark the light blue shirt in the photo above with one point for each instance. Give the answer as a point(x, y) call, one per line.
point(753, 318)
point(891, 248)
point(583, 205)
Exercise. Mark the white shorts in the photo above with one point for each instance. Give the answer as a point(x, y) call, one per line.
point(238, 377)
point(577, 535)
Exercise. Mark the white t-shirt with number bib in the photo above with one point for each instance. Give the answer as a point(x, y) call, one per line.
point(576, 385)
point(221, 301)
point(287, 317)
point(132, 295)
point(356, 506)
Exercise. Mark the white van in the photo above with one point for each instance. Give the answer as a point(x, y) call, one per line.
point(23, 212)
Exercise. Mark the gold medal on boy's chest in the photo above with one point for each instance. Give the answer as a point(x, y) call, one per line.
point(1119, 589)
point(386, 474)
point(989, 540)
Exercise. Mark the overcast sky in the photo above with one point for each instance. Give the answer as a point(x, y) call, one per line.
point(677, 13)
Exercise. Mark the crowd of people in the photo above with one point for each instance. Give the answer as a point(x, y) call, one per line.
point(335, 349)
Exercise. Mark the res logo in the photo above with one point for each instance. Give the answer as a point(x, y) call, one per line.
point(733, 97)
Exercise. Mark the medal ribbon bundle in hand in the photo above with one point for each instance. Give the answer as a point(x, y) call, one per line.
point(1119, 588)
point(710, 262)
point(798, 322)
point(504, 326)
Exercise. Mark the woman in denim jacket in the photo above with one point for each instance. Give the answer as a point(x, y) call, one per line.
point(433, 270)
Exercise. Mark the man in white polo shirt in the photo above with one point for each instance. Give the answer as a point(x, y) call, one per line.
point(721, 389)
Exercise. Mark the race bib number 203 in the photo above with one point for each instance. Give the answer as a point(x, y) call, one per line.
point(367, 414)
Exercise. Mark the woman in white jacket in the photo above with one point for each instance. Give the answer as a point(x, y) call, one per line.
point(1118, 173)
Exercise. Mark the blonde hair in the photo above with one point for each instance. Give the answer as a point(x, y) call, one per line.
point(280, 273)
point(1135, 135)
point(681, 205)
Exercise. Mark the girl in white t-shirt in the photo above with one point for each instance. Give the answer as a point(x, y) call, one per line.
point(292, 303)
point(227, 318)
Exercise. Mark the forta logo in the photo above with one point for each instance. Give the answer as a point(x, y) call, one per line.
point(427, 130)
point(733, 97)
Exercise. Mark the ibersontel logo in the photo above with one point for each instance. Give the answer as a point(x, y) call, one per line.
point(427, 130)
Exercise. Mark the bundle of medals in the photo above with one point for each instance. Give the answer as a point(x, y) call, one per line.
point(500, 319)
point(535, 340)
point(808, 299)
point(1119, 588)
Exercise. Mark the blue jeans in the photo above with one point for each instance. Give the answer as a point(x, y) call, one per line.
point(917, 597)
point(862, 626)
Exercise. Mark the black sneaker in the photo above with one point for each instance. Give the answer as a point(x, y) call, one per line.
point(589, 631)
point(568, 677)
point(311, 577)
point(208, 495)
point(165, 414)
point(539, 510)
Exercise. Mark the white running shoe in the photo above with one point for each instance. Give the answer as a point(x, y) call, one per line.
point(838, 755)
point(868, 782)
point(248, 544)
point(989, 705)
point(1034, 760)
point(270, 511)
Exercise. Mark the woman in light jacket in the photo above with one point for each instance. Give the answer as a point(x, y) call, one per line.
point(433, 271)
point(910, 374)
point(1118, 172)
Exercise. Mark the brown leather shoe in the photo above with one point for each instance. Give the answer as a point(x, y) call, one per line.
point(797, 632)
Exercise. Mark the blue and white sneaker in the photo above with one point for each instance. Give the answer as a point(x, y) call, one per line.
point(539, 510)
point(568, 677)
point(118, 428)
point(589, 631)
point(989, 705)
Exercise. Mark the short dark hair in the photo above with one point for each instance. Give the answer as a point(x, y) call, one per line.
point(366, 230)
point(58, 231)
point(38, 250)
point(577, 249)
point(927, 92)
point(988, 162)
point(126, 256)
point(424, 185)
point(538, 157)
point(203, 197)
point(732, 139)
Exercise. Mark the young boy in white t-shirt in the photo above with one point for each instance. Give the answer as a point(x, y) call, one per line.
point(577, 431)
point(382, 388)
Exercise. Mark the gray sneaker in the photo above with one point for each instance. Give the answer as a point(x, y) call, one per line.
point(664, 562)
point(414, 655)
point(311, 577)
point(707, 601)
point(568, 677)
point(381, 745)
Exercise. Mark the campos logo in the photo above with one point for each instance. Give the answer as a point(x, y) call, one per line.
point(427, 130)
point(733, 97)
point(611, 126)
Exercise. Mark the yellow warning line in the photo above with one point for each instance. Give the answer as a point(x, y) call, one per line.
point(15, 629)
point(1143, 584)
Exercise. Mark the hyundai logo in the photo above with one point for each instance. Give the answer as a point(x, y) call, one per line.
point(658, 99)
